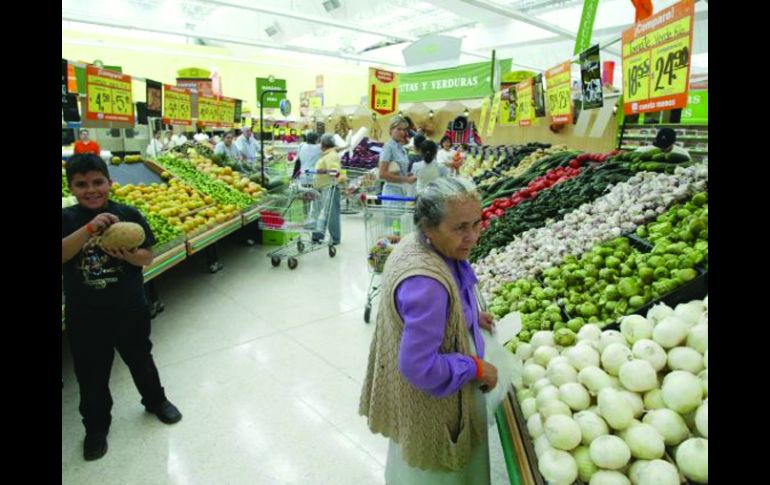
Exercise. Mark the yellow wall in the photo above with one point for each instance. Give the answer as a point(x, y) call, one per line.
point(344, 83)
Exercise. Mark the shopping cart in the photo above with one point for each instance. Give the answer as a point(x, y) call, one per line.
point(296, 213)
point(386, 220)
point(360, 183)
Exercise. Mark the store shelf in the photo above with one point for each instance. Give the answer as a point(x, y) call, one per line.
point(201, 241)
point(166, 260)
point(632, 136)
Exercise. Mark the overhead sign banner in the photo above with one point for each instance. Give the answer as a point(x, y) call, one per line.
point(470, 81)
point(272, 100)
point(109, 96)
point(583, 40)
point(494, 113)
point(154, 98)
point(525, 108)
point(557, 80)
point(383, 91)
point(656, 60)
point(539, 96)
point(591, 78)
point(177, 106)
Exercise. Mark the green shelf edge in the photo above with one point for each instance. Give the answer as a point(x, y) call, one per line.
point(514, 475)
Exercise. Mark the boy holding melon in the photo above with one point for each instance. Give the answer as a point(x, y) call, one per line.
point(104, 247)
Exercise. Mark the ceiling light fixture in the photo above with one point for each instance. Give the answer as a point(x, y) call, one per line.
point(330, 5)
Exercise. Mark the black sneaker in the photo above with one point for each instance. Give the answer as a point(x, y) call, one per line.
point(94, 446)
point(166, 412)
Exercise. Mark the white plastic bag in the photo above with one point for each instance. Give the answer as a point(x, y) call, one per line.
point(509, 373)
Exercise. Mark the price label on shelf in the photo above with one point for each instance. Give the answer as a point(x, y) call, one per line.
point(559, 93)
point(176, 106)
point(656, 60)
point(109, 96)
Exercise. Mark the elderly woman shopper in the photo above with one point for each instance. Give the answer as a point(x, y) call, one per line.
point(323, 181)
point(394, 161)
point(426, 373)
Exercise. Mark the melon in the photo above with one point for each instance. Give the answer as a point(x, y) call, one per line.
point(122, 235)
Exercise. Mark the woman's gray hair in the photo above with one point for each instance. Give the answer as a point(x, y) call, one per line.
point(396, 121)
point(430, 206)
point(327, 141)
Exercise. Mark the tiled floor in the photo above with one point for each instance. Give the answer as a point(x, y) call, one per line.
point(265, 364)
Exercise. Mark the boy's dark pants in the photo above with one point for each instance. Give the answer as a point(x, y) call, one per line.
point(93, 340)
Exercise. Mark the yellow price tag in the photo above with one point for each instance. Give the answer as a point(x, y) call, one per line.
point(636, 73)
point(670, 71)
point(99, 99)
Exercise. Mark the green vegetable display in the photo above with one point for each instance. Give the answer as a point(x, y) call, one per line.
point(218, 190)
point(537, 305)
point(682, 231)
point(161, 228)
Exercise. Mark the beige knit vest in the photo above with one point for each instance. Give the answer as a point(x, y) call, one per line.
point(433, 433)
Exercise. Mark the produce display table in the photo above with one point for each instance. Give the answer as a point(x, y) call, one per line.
point(166, 260)
point(515, 444)
point(201, 241)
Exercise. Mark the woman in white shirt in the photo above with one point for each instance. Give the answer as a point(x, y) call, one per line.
point(428, 169)
point(446, 155)
point(227, 147)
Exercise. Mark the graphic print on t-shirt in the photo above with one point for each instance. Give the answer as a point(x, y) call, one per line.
point(97, 266)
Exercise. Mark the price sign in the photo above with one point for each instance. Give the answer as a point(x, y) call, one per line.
point(656, 60)
point(383, 88)
point(176, 106)
point(208, 110)
point(226, 112)
point(494, 113)
point(559, 93)
point(525, 106)
point(109, 96)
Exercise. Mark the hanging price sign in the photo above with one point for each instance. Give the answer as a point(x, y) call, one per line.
point(559, 93)
point(494, 113)
point(226, 112)
point(525, 108)
point(656, 60)
point(383, 88)
point(177, 106)
point(208, 110)
point(109, 96)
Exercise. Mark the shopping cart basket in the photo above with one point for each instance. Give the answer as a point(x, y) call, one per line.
point(297, 212)
point(386, 220)
point(360, 183)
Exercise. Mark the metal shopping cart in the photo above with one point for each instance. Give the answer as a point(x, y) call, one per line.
point(296, 212)
point(360, 183)
point(386, 220)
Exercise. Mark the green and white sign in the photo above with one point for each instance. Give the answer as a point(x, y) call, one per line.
point(697, 109)
point(265, 84)
point(470, 81)
point(583, 40)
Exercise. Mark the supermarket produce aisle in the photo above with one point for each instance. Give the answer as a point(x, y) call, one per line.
point(265, 364)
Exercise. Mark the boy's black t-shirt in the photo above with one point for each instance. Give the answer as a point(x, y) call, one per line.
point(93, 278)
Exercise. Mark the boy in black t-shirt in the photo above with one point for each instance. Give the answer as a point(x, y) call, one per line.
point(105, 305)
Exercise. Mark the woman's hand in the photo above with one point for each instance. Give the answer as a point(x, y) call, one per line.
point(410, 179)
point(101, 222)
point(488, 376)
point(486, 321)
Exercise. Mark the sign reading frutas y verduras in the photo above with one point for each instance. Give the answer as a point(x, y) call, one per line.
point(559, 94)
point(109, 96)
point(656, 60)
point(177, 104)
point(383, 91)
point(525, 108)
point(469, 81)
